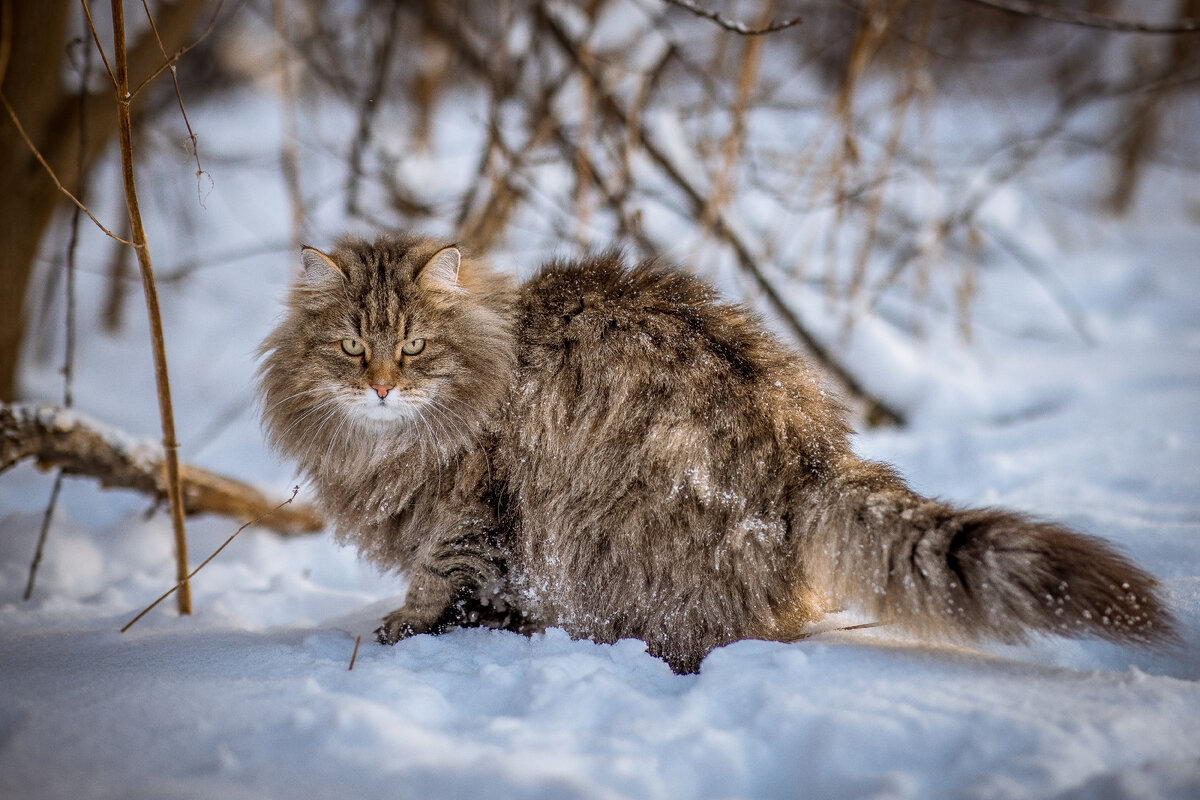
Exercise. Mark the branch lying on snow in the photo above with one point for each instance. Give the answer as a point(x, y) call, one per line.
point(59, 438)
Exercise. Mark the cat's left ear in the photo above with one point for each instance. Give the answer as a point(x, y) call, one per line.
point(440, 273)
point(319, 268)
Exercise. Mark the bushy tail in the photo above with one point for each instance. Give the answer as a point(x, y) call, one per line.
point(977, 573)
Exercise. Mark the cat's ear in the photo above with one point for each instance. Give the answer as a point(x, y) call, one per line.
point(319, 268)
point(440, 273)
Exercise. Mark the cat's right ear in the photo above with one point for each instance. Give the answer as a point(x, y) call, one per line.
point(320, 269)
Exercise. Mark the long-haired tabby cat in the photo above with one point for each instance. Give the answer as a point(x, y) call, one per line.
point(612, 450)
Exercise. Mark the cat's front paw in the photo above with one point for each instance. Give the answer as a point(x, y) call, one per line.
point(396, 626)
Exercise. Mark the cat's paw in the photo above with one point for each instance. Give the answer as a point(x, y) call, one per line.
point(396, 626)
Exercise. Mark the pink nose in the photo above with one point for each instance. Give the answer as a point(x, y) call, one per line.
point(382, 389)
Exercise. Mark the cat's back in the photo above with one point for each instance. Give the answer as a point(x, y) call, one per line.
point(642, 373)
point(601, 315)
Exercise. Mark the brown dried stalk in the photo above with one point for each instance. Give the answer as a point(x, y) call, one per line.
point(371, 101)
point(183, 583)
point(289, 151)
point(165, 409)
point(731, 147)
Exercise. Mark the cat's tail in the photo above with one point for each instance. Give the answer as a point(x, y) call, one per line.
point(969, 574)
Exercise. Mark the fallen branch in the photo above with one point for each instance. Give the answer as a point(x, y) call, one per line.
point(57, 438)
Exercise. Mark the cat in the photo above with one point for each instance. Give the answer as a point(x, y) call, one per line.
point(612, 450)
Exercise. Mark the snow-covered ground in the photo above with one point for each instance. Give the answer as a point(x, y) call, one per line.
point(252, 696)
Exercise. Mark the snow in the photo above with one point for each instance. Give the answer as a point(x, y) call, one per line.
point(251, 697)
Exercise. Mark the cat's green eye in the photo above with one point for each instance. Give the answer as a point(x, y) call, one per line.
point(353, 347)
point(413, 346)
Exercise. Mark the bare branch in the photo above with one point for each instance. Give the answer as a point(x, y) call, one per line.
point(96, 38)
point(54, 437)
point(1085, 18)
point(733, 25)
point(169, 63)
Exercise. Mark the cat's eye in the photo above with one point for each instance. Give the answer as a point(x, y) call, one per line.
point(412, 347)
point(353, 347)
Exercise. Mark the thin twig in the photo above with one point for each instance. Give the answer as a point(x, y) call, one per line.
point(733, 25)
point(96, 38)
point(354, 655)
point(1042, 273)
point(43, 534)
point(180, 53)
point(370, 104)
point(289, 153)
point(68, 369)
point(731, 149)
point(1086, 18)
point(50, 171)
point(179, 98)
point(183, 584)
point(166, 411)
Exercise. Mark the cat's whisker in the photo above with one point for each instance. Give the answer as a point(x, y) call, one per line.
point(449, 432)
point(314, 434)
point(466, 431)
point(318, 407)
point(334, 438)
point(478, 412)
point(436, 455)
point(326, 388)
point(462, 429)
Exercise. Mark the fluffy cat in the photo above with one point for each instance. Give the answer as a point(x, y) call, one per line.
point(612, 450)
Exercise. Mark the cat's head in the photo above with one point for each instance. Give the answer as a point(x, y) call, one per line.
point(398, 340)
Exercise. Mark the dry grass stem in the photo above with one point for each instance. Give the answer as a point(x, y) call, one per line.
point(183, 583)
point(289, 151)
point(150, 290)
point(192, 141)
point(354, 655)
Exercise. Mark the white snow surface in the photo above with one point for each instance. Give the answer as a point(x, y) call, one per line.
point(251, 696)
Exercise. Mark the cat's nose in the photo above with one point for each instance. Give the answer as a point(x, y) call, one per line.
point(382, 389)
